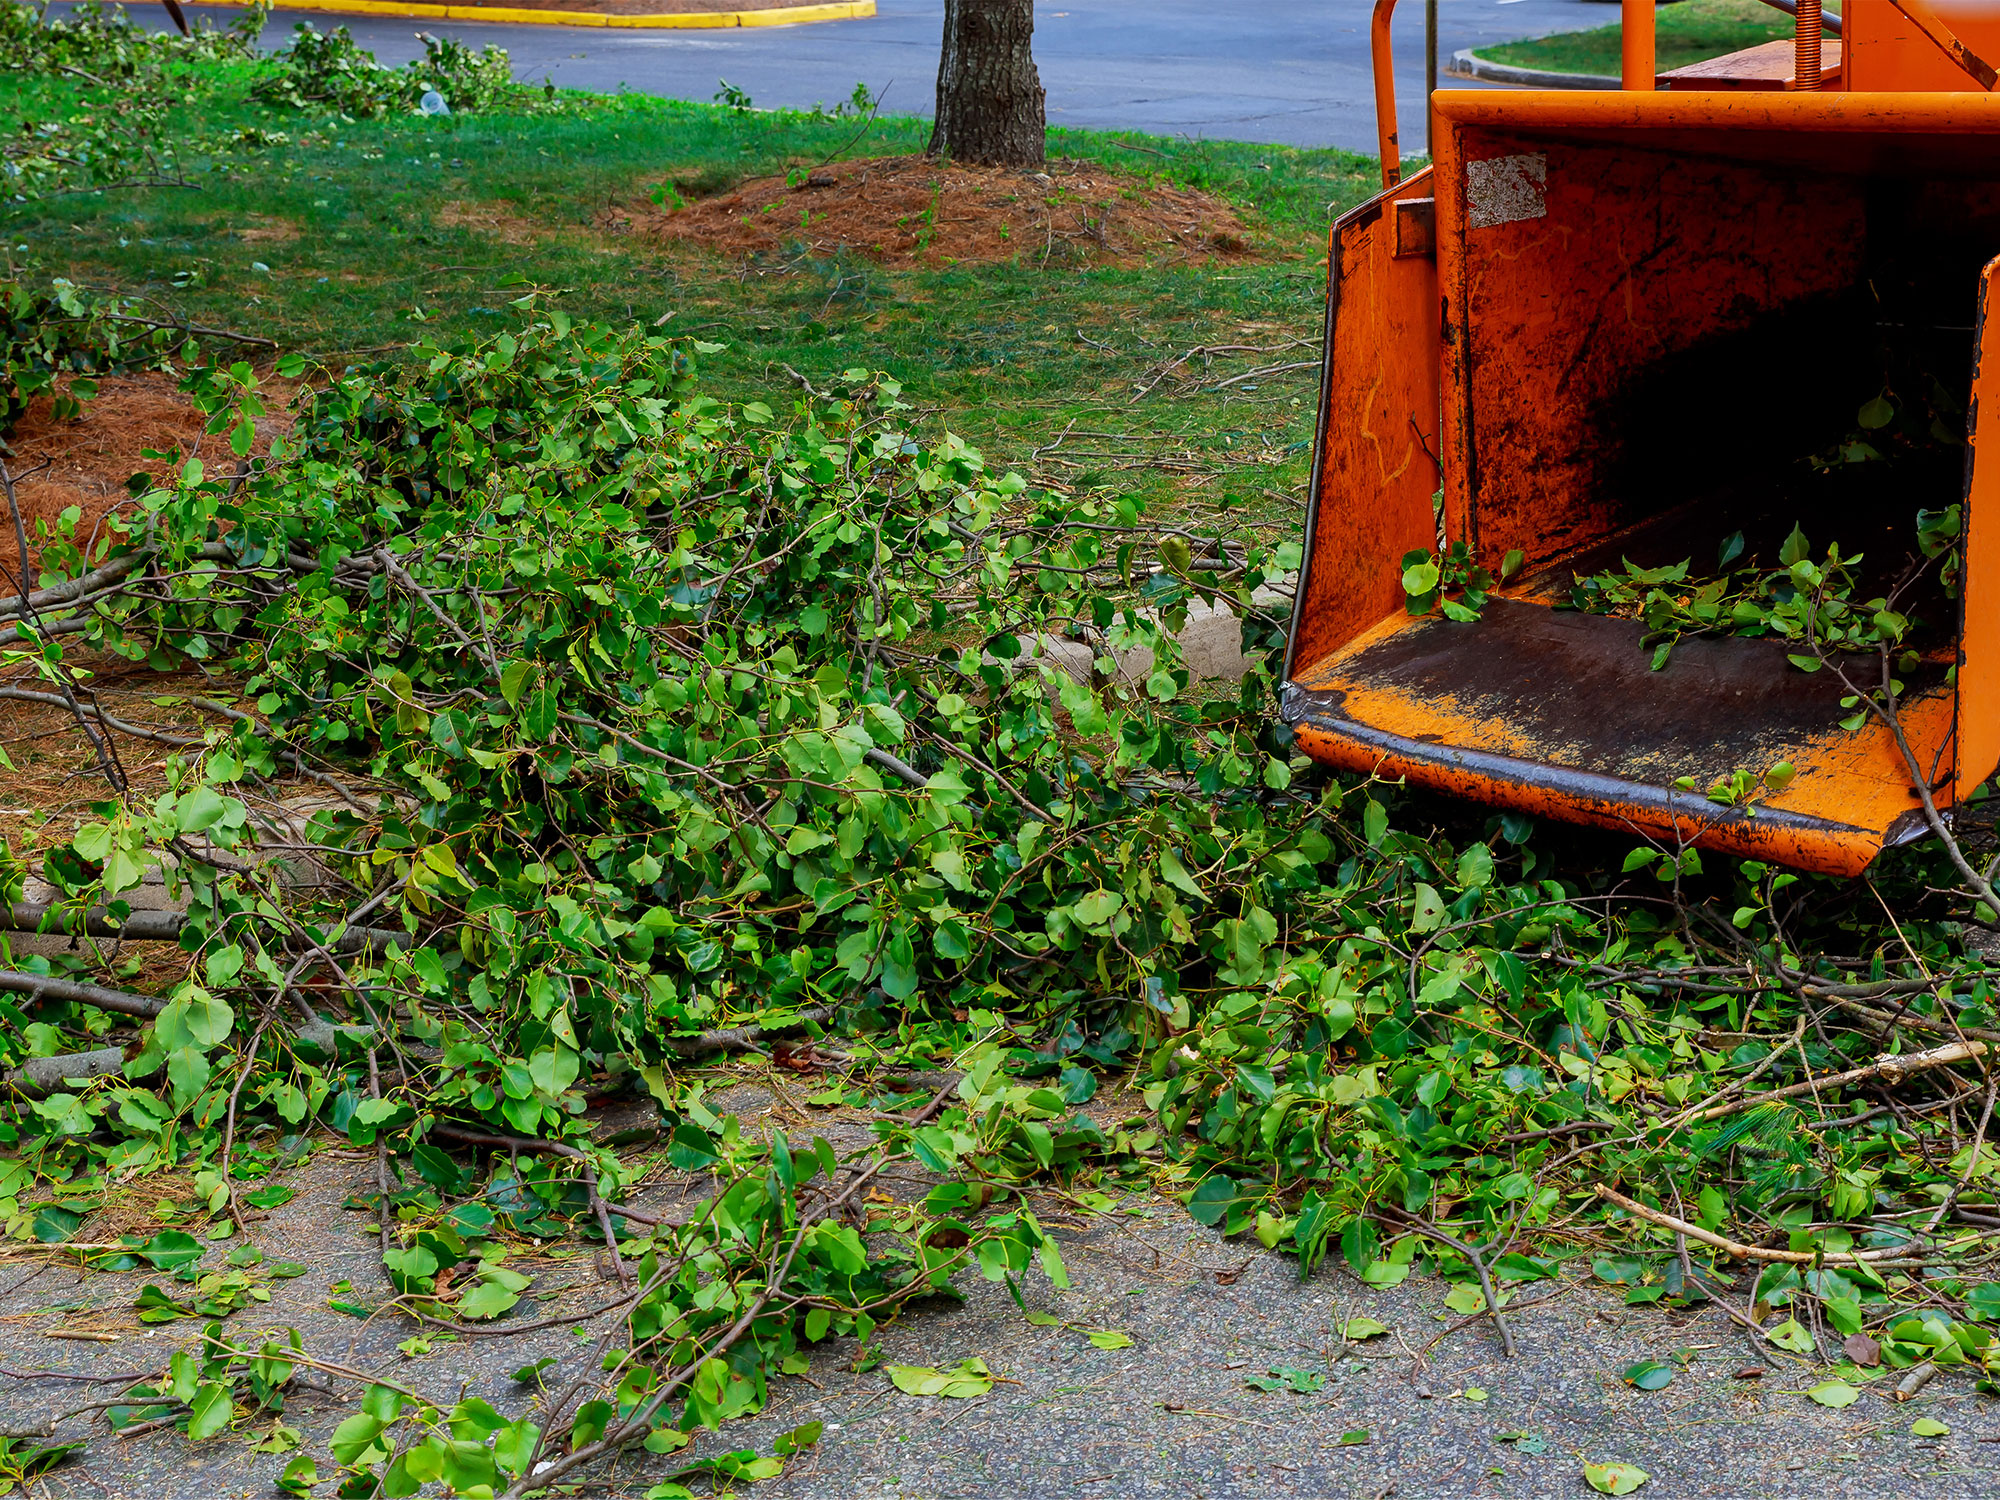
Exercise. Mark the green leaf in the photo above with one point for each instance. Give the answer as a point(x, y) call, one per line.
point(1110, 1338)
point(514, 678)
point(1614, 1479)
point(1176, 875)
point(1426, 909)
point(1374, 822)
point(486, 1300)
point(969, 1378)
point(1358, 1328)
point(1649, 1375)
point(210, 1411)
point(1791, 1335)
point(1359, 1244)
point(200, 809)
point(1928, 1427)
point(300, 1476)
point(1286, 1378)
point(1098, 908)
point(1835, 1393)
point(538, 719)
point(171, 1249)
point(53, 1225)
point(354, 1437)
point(451, 732)
point(1466, 1297)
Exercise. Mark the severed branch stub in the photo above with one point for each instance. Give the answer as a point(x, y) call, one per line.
point(39, 1077)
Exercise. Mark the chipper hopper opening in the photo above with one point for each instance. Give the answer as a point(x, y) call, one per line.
point(1605, 335)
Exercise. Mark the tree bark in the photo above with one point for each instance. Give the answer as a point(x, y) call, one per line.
point(989, 96)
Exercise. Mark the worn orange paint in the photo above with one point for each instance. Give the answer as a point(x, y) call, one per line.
point(1379, 425)
point(1385, 91)
point(1619, 315)
point(1979, 641)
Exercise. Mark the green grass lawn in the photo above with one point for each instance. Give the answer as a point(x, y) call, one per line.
point(359, 237)
point(1688, 32)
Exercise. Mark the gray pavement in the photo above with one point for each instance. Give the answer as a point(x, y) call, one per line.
point(1429, 1410)
point(1287, 72)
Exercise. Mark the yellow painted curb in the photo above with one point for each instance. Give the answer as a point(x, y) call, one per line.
point(782, 15)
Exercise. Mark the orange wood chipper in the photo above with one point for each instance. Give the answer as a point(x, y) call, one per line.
point(1612, 328)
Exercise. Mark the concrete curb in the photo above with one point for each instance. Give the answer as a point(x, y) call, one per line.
point(1466, 65)
point(783, 15)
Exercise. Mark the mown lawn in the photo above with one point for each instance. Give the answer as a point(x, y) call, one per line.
point(1689, 31)
point(346, 238)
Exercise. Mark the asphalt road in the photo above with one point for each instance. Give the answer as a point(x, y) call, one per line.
point(1429, 1410)
point(1291, 72)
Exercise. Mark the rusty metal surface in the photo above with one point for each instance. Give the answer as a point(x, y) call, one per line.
point(1647, 310)
point(1558, 713)
point(1378, 427)
point(1561, 320)
point(1576, 691)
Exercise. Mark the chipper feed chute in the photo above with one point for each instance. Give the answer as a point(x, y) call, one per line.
point(1605, 327)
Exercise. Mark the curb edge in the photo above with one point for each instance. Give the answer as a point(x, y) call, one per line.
point(1466, 65)
point(783, 15)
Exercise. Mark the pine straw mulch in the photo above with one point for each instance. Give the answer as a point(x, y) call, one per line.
point(55, 775)
point(90, 458)
point(912, 209)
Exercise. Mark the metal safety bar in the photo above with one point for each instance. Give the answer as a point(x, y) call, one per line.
point(1636, 44)
point(1637, 57)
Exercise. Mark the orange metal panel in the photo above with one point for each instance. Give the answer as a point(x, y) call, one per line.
point(1889, 52)
point(1647, 309)
point(1579, 268)
point(1378, 427)
point(1979, 640)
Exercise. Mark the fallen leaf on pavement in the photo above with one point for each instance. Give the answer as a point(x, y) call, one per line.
point(1791, 1335)
point(1649, 1375)
point(1614, 1479)
point(971, 1378)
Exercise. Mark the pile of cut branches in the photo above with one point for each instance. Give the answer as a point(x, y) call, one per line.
point(569, 727)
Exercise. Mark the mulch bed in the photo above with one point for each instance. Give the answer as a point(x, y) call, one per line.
point(911, 209)
point(91, 457)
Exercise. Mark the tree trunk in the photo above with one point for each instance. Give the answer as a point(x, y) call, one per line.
point(989, 96)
